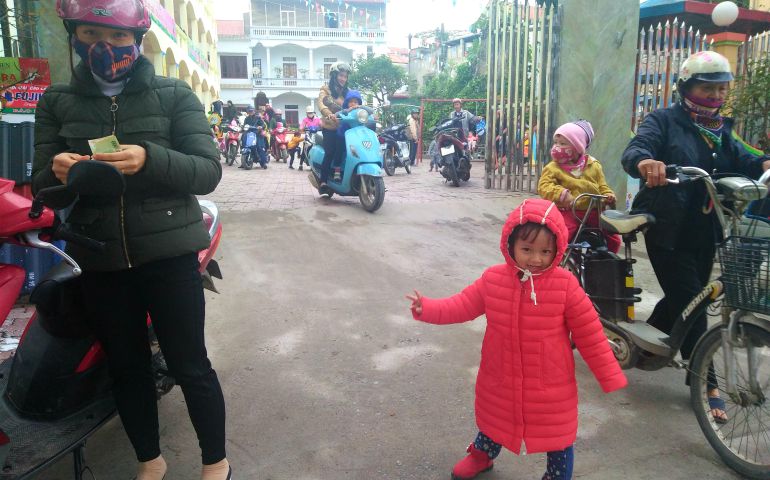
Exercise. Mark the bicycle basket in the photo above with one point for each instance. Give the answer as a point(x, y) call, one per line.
point(745, 263)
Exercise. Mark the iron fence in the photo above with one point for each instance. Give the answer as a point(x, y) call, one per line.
point(522, 60)
point(661, 51)
point(751, 53)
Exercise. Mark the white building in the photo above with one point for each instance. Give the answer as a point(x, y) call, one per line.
point(285, 48)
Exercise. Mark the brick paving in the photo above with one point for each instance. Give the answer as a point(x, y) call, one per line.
point(279, 188)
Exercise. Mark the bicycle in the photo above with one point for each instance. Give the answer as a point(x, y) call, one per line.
point(734, 354)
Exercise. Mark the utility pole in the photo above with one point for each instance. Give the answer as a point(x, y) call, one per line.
point(5, 28)
point(25, 28)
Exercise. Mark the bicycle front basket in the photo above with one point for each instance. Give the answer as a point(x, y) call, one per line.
point(745, 263)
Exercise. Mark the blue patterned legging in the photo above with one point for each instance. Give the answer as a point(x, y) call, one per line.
point(559, 462)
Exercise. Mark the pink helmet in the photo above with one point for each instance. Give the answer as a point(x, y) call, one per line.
point(279, 126)
point(122, 14)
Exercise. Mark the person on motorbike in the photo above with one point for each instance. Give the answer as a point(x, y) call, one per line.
point(152, 235)
point(254, 120)
point(230, 113)
point(413, 133)
point(310, 122)
point(465, 117)
point(681, 242)
point(330, 100)
point(352, 101)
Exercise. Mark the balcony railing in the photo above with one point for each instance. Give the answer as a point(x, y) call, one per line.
point(287, 82)
point(304, 33)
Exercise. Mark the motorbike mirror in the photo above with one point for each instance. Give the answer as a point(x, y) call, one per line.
point(93, 177)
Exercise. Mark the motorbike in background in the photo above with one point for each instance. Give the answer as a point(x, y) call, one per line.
point(55, 391)
point(395, 149)
point(251, 150)
point(453, 148)
point(281, 143)
point(233, 141)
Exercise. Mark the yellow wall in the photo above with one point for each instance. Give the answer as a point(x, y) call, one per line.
point(763, 5)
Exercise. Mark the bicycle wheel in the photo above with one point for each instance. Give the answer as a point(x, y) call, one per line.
point(743, 441)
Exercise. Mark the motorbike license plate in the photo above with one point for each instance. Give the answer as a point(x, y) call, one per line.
point(447, 150)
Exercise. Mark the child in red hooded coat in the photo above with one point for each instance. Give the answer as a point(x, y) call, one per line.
point(526, 393)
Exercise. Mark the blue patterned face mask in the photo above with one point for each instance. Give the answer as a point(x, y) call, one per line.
point(107, 61)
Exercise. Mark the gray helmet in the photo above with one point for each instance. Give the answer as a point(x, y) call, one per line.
point(339, 67)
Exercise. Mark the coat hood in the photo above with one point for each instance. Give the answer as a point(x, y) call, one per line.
point(536, 210)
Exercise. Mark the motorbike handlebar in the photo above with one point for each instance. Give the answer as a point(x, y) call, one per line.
point(64, 233)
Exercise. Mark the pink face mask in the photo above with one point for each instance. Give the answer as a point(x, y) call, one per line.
point(562, 154)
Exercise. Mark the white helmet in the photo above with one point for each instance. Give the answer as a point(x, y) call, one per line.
point(309, 109)
point(706, 66)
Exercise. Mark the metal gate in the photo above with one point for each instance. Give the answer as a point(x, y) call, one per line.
point(522, 60)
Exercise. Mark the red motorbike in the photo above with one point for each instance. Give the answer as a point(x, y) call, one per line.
point(55, 389)
point(233, 141)
point(281, 142)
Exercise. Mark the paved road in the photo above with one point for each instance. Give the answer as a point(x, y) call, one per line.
point(326, 375)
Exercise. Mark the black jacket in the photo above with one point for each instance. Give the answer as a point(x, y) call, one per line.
point(670, 136)
point(158, 216)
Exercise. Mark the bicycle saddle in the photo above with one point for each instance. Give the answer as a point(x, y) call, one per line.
point(614, 221)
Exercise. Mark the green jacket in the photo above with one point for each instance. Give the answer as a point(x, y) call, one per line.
point(158, 216)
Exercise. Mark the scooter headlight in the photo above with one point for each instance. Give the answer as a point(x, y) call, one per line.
point(363, 116)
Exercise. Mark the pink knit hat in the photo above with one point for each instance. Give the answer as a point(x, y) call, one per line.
point(580, 134)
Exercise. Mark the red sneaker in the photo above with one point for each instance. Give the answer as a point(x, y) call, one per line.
point(477, 462)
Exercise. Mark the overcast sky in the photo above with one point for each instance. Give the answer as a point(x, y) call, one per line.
point(404, 16)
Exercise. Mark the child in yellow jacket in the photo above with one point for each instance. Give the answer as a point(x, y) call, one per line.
point(571, 172)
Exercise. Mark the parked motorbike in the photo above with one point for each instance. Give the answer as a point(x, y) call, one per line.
point(55, 389)
point(361, 170)
point(250, 149)
point(281, 143)
point(233, 140)
point(453, 147)
point(395, 149)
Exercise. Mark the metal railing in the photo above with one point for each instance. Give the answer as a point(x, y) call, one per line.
point(523, 54)
point(306, 33)
point(316, 83)
point(661, 51)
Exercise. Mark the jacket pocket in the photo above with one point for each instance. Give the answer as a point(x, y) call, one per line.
point(168, 204)
point(556, 360)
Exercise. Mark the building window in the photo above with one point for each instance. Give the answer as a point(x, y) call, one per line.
point(288, 18)
point(292, 115)
point(328, 62)
point(369, 51)
point(234, 66)
point(256, 68)
point(290, 71)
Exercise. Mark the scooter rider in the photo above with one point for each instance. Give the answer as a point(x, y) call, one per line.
point(310, 122)
point(255, 122)
point(330, 100)
point(464, 116)
point(152, 236)
point(681, 242)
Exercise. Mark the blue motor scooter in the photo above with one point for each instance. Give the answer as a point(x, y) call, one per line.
point(361, 170)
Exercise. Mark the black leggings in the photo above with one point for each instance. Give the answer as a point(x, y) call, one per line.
point(172, 292)
point(333, 146)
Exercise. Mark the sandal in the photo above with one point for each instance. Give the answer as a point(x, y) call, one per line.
point(717, 403)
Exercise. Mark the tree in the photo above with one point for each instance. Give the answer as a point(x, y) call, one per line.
point(750, 103)
point(377, 76)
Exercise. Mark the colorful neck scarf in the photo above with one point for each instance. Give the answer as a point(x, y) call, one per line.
point(706, 117)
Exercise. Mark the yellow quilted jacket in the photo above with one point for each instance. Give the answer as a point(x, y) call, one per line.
point(554, 180)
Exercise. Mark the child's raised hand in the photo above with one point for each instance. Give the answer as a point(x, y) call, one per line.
point(416, 302)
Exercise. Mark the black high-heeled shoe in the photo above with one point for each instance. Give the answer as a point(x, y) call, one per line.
point(229, 473)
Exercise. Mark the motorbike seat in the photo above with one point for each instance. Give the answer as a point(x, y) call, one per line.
point(614, 221)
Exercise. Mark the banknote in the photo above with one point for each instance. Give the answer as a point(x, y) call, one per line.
point(108, 144)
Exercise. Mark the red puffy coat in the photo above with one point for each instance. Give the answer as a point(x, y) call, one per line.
point(526, 389)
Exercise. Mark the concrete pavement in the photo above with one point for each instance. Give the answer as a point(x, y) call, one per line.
point(326, 376)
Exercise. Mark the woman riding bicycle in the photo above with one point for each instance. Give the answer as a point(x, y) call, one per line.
point(681, 242)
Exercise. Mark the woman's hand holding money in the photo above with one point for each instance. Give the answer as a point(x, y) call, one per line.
point(129, 160)
point(62, 163)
